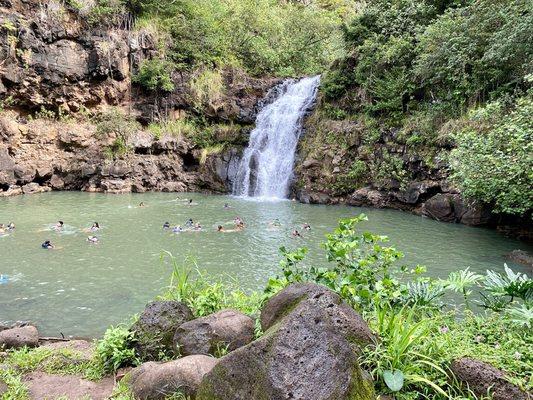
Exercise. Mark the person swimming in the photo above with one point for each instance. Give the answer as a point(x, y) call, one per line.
point(295, 233)
point(47, 245)
point(197, 227)
point(11, 226)
point(220, 228)
point(59, 226)
point(142, 204)
point(227, 206)
point(306, 226)
point(166, 225)
point(177, 229)
point(95, 227)
point(239, 223)
point(93, 239)
point(189, 223)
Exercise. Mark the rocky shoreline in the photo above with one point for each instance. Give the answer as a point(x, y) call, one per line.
point(309, 350)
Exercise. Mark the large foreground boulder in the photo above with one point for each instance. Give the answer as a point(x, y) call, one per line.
point(155, 328)
point(305, 354)
point(309, 295)
point(226, 329)
point(18, 337)
point(483, 378)
point(152, 381)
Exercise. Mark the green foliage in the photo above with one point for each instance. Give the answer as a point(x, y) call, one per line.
point(155, 74)
point(493, 161)
point(481, 49)
point(16, 390)
point(114, 350)
point(114, 123)
point(189, 285)
point(106, 12)
point(462, 281)
point(264, 37)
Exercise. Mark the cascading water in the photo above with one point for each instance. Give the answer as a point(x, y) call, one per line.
point(266, 167)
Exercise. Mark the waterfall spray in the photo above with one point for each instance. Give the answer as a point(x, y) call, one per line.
point(267, 165)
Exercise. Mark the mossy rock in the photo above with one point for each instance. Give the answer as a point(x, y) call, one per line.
point(154, 331)
point(302, 356)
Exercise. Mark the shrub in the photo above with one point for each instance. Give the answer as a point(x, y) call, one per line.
point(155, 74)
point(492, 162)
point(115, 349)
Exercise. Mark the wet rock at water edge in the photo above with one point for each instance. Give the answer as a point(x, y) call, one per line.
point(18, 337)
point(303, 355)
point(224, 330)
point(521, 257)
point(483, 378)
point(152, 381)
point(154, 331)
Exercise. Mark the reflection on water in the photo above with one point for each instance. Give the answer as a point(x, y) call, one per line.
point(81, 288)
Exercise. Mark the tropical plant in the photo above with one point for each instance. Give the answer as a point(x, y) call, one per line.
point(461, 282)
point(115, 349)
point(514, 285)
point(521, 315)
point(394, 360)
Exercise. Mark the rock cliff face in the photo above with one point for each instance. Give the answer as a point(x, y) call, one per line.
point(342, 161)
point(53, 63)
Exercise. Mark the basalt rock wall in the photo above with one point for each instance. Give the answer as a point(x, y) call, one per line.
point(55, 66)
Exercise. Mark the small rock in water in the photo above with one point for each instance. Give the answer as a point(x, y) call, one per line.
point(521, 257)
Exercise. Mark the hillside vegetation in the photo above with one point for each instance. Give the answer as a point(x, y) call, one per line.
point(441, 75)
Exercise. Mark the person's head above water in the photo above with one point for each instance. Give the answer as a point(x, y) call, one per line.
point(166, 225)
point(96, 225)
point(47, 245)
point(220, 228)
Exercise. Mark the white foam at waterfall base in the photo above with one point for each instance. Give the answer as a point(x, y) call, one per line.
point(266, 168)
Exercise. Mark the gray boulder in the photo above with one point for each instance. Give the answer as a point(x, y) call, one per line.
point(18, 337)
point(306, 295)
point(155, 328)
point(303, 355)
point(483, 378)
point(225, 329)
point(152, 381)
point(521, 257)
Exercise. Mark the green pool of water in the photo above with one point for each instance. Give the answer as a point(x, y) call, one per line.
point(81, 288)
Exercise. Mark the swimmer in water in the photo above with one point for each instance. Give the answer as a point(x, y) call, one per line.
point(2, 228)
point(177, 229)
point(197, 227)
point(227, 206)
point(220, 228)
point(306, 226)
point(189, 223)
point(47, 245)
point(11, 226)
point(239, 223)
point(166, 225)
point(59, 226)
point(141, 204)
point(295, 234)
point(93, 239)
point(95, 227)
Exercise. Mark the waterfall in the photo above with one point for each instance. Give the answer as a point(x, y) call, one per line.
point(267, 164)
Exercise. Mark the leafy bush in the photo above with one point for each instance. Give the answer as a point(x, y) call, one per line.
point(114, 350)
point(264, 37)
point(155, 74)
point(492, 162)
